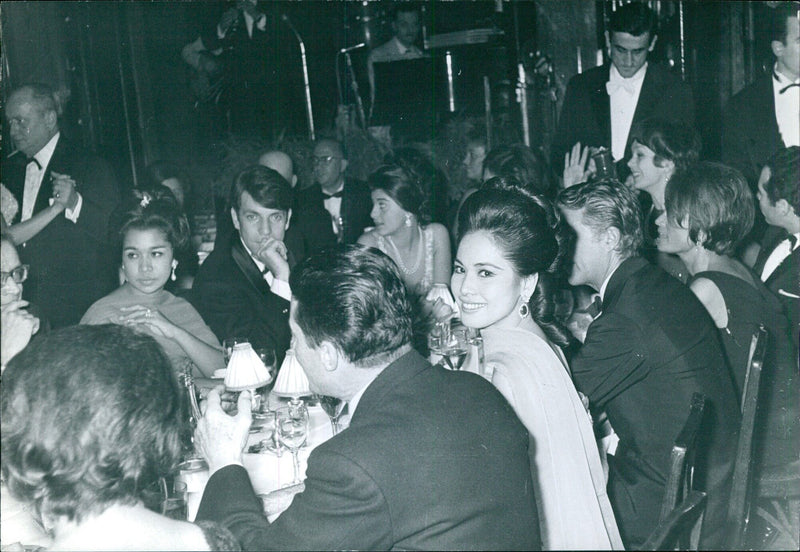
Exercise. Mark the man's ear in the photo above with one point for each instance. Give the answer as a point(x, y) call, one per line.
point(608, 43)
point(235, 219)
point(344, 165)
point(294, 180)
point(611, 239)
point(51, 118)
point(328, 355)
point(778, 48)
point(784, 207)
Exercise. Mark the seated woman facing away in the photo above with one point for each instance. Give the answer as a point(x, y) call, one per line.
point(709, 210)
point(507, 252)
point(148, 233)
point(421, 250)
point(91, 416)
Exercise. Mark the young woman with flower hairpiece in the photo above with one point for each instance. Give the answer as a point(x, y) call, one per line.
point(148, 234)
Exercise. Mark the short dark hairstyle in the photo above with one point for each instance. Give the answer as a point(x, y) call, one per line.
point(607, 203)
point(714, 199)
point(778, 18)
point(91, 416)
point(354, 298)
point(635, 19)
point(669, 140)
point(784, 168)
point(154, 209)
point(526, 228)
point(404, 187)
point(525, 165)
point(405, 7)
point(266, 186)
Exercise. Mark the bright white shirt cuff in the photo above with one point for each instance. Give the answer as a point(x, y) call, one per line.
point(281, 289)
point(72, 214)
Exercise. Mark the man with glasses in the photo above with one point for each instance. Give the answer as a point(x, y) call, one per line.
point(335, 209)
point(18, 325)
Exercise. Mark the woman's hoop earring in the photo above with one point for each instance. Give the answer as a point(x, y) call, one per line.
point(524, 310)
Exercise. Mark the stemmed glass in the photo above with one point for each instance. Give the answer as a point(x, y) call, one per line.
point(455, 351)
point(227, 347)
point(333, 407)
point(293, 431)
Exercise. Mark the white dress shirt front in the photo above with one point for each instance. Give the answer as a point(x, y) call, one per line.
point(623, 95)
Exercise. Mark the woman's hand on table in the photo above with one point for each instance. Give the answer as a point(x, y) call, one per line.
point(219, 437)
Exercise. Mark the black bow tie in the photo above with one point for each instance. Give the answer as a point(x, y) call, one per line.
point(785, 88)
point(792, 239)
point(335, 194)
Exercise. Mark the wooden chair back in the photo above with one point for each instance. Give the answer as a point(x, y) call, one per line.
point(681, 474)
point(680, 529)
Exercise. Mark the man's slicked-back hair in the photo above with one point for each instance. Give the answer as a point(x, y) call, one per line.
point(635, 19)
point(353, 297)
point(784, 168)
point(607, 203)
point(266, 186)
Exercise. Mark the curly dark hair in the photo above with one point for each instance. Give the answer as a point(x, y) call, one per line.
point(529, 231)
point(91, 416)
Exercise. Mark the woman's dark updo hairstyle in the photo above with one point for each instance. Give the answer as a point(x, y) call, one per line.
point(418, 162)
point(404, 187)
point(529, 231)
point(155, 209)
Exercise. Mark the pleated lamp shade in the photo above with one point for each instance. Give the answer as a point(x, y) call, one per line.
point(292, 380)
point(245, 369)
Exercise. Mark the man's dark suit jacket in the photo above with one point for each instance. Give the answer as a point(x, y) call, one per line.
point(233, 298)
point(433, 459)
point(585, 115)
point(653, 346)
point(313, 221)
point(750, 132)
point(785, 279)
point(72, 264)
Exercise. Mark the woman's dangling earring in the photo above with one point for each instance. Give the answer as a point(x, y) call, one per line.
point(524, 309)
point(174, 266)
point(408, 220)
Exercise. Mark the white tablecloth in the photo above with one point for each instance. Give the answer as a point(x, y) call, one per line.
point(268, 472)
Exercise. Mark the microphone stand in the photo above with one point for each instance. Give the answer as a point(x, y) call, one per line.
point(354, 86)
point(309, 111)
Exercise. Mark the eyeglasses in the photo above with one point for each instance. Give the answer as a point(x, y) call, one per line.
point(19, 275)
point(323, 159)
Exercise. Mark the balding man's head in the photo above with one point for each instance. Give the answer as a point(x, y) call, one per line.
point(32, 115)
point(281, 163)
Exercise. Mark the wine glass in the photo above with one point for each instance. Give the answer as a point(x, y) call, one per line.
point(267, 356)
point(333, 407)
point(227, 347)
point(293, 431)
point(455, 351)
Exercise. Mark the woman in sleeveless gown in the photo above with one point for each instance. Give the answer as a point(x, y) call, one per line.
point(502, 282)
point(705, 239)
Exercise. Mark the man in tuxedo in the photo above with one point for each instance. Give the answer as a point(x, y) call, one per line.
point(242, 288)
point(650, 349)
point(336, 208)
point(778, 261)
point(432, 459)
point(71, 265)
point(602, 104)
point(765, 116)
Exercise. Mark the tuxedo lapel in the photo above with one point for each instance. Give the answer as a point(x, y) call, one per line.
point(652, 88)
point(772, 237)
point(788, 265)
point(247, 266)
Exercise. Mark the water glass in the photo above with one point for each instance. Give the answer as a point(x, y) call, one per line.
point(174, 506)
point(292, 428)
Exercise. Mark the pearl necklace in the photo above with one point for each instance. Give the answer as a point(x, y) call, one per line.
point(407, 271)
